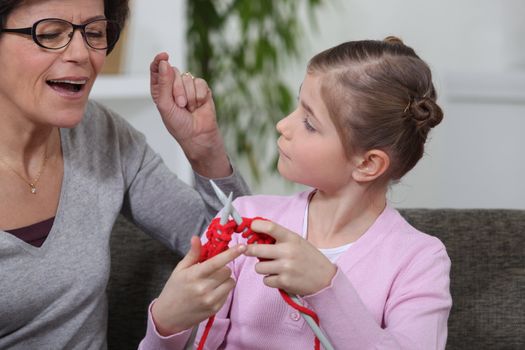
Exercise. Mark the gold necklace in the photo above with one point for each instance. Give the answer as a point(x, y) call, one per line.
point(32, 184)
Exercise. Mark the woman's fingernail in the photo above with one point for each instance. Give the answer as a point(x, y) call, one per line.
point(162, 67)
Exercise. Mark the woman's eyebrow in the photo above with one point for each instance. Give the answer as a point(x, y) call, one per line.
point(94, 18)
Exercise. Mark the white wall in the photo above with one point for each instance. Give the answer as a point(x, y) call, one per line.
point(476, 51)
point(154, 26)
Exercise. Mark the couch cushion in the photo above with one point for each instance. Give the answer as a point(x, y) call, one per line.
point(140, 266)
point(487, 250)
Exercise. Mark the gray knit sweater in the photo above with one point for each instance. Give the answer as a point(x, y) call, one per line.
point(53, 297)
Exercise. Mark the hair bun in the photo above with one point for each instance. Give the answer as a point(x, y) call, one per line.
point(393, 40)
point(425, 113)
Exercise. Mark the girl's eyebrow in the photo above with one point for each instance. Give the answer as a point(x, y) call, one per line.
point(299, 92)
point(308, 109)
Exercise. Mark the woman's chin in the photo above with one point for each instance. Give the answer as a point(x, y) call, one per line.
point(67, 118)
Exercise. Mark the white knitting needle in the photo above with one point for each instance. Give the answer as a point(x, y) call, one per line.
point(230, 209)
point(226, 210)
point(222, 197)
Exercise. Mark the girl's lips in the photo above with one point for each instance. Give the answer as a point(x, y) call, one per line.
point(281, 152)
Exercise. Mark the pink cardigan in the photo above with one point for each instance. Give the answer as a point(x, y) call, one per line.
point(391, 291)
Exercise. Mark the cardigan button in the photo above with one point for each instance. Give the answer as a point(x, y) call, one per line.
point(295, 316)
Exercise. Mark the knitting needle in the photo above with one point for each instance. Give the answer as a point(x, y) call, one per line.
point(222, 197)
point(226, 210)
point(238, 220)
point(311, 322)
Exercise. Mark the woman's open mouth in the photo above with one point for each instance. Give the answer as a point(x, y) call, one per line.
point(66, 86)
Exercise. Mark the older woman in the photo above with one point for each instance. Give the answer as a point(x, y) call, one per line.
point(68, 167)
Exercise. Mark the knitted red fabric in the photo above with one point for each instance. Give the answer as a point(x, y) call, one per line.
point(219, 236)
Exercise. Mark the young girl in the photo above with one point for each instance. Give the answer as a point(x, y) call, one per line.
point(365, 110)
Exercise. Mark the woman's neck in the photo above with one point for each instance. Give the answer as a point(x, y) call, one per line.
point(339, 218)
point(21, 141)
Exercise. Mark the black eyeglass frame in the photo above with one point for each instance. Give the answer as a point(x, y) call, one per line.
point(82, 27)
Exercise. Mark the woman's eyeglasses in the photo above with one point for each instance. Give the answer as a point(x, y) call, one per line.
point(55, 33)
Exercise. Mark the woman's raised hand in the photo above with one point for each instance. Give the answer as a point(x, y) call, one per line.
point(293, 264)
point(194, 291)
point(187, 109)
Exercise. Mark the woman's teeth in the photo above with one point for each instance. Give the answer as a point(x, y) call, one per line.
point(70, 85)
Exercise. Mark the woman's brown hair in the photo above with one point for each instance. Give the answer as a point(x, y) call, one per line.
point(379, 95)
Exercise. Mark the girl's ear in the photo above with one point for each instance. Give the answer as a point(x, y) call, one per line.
point(371, 165)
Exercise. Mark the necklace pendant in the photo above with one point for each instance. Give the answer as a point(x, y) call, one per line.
point(33, 188)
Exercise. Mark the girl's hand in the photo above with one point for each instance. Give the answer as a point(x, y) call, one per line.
point(187, 109)
point(294, 264)
point(194, 291)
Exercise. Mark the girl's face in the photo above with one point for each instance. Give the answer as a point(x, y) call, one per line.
point(48, 87)
point(310, 150)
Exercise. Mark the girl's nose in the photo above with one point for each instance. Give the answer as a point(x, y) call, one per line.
point(285, 126)
point(282, 128)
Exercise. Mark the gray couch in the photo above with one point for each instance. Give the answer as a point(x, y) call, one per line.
point(487, 249)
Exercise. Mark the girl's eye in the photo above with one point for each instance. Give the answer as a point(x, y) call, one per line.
point(309, 127)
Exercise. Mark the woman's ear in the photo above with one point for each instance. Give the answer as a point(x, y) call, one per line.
point(371, 165)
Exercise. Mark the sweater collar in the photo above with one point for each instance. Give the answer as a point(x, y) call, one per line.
point(372, 237)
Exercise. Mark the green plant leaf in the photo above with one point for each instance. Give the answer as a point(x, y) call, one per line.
point(238, 47)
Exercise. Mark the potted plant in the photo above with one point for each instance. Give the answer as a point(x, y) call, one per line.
point(239, 47)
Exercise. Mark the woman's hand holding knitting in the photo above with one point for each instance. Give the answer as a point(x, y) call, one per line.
point(187, 109)
point(194, 291)
point(294, 264)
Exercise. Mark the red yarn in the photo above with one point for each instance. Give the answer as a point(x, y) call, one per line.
point(304, 310)
point(219, 236)
point(206, 331)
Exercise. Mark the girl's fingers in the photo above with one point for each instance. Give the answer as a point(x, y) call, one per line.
point(273, 281)
point(216, 297)
point(218, 278)
point(271, 267)
point(278, 232)
point(264, 251)
point(213, 264)
point(192, 257)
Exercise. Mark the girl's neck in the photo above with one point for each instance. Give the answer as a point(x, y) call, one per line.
point(339, 218)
